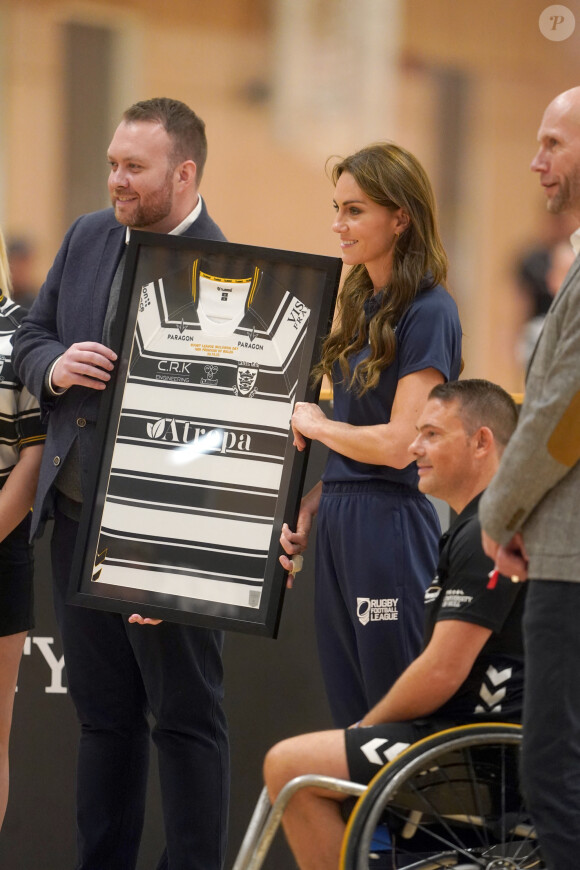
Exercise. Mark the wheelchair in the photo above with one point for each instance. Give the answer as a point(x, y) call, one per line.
point(449, 800)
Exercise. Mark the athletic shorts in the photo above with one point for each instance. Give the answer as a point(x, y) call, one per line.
point(16, 573)
point(368, 749)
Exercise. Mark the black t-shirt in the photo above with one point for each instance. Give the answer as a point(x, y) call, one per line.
point(494, 687)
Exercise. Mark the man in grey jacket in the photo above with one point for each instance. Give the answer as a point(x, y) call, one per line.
point(531, 520)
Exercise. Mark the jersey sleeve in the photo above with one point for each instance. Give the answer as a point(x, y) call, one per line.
point(466, 597)
point(36, 344)
point(29, 428)
point(429, 335)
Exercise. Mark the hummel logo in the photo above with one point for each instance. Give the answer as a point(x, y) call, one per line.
point(492, 699)
point(370, 750)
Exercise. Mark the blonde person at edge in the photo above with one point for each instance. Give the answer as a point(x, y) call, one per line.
point(396, 336)
point(21, 447)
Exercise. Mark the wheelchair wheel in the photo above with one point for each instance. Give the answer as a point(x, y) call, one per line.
point(450, 800)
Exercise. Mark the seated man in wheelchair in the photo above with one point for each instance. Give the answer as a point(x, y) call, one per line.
point(471, 667)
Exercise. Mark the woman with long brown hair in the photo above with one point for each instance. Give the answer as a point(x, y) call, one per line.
point(21, 443)
point(396, 335)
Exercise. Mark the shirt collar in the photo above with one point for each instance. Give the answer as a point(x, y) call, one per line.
point(468, 511)
point(575, 240)
point(183, 226)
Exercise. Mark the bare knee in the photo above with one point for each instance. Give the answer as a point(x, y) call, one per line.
point(281, 764)
point(321, 752)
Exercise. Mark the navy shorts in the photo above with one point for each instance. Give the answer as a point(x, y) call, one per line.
point(16, 573)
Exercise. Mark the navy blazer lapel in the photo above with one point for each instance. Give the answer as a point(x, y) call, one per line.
point(104, 273)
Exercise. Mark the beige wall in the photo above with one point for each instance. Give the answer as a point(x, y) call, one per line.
point(514, 72)
point(258, 190)
point(30, 165)
point(262, 188)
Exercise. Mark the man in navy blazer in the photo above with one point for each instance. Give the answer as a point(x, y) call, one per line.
point(117, 671)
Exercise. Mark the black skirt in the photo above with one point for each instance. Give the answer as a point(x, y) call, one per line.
point(16, 573)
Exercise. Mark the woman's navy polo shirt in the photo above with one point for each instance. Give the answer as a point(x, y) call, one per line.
point(428, 336)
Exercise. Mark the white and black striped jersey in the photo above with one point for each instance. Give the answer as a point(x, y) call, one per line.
point(20, 424)
point(202, 436)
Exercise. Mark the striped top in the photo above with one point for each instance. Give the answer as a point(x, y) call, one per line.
point(20, 424)
point(202, 437)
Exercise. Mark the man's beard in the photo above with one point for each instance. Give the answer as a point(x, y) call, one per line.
point(558, 203)
point(155, 210)
point(568, 195)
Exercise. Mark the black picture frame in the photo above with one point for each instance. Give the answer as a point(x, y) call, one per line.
point(197, 470)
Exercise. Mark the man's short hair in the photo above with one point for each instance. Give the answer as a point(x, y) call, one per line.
point(186, 129)
point(481, 403)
